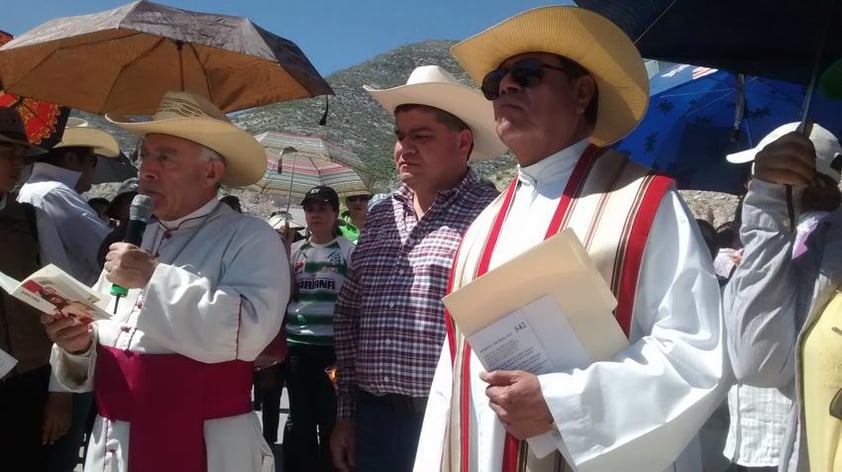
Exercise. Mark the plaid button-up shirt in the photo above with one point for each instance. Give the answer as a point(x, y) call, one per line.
point(389, 319)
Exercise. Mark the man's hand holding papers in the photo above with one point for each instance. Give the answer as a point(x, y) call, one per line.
point(516, 397)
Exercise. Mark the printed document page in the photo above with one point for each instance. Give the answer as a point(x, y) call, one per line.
point(547, 307)
point(525, 340)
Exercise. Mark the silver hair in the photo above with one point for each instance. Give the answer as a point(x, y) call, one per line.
point(209, 155)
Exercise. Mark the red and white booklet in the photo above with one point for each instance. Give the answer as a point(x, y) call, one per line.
point(53, 291)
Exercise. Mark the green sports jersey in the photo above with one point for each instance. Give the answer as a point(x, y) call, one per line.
point(319, 270)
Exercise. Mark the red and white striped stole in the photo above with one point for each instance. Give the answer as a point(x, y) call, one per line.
point(610, 203)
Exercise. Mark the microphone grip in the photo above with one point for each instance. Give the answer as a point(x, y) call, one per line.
point(134, 235)
point(134, 232)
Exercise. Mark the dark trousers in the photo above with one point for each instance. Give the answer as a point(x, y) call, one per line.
point(268, 386)
point(387, 432)
point(312, 409)
point(64, 454)
point(22, 399)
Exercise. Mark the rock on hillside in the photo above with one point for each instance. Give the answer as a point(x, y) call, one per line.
point(715, 207)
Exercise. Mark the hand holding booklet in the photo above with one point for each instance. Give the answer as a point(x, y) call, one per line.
point(54, 292)
point(547, 310)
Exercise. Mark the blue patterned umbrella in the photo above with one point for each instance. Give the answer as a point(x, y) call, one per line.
point(697, 115)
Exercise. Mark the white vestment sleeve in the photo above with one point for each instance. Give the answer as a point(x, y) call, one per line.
point(433, 432)
point(234, 319)
point(641, 410)
point(74, 372)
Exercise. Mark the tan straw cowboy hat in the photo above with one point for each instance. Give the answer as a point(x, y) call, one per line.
point(194, 118)
point(437, 88)
point(593, 41)
point(78, 133)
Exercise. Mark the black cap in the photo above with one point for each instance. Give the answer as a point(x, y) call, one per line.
point(324, 194)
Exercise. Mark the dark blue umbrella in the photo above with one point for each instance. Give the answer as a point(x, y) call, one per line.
point(781, 39)
point(697, 115)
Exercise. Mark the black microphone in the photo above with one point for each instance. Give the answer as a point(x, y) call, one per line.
point(139, 214)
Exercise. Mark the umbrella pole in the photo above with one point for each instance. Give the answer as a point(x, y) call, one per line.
point(180, 46)
point(292, 173)
point(806, 125)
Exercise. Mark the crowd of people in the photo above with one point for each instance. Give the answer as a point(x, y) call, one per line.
point(733, 348)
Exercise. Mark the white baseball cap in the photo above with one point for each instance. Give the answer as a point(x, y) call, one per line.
point(826, 144)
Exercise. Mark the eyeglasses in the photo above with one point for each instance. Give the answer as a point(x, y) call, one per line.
point(359, 198)
point(526, 73)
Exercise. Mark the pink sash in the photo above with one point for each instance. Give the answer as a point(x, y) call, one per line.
point(166, 399)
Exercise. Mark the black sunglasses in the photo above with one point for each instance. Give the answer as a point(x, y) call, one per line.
point(526, 73)
point(359, 198)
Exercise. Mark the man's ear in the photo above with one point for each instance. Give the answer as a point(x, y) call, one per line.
point(585, 90)
point(215, 171)
point(466, 142)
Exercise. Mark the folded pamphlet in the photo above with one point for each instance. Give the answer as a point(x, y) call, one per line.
point(53, 291)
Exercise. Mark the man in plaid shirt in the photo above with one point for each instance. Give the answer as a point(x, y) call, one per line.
point(389, 319)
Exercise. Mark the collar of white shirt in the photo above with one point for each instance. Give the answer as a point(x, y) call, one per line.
point(554, 166)
point(193, 218)
point(42, 172)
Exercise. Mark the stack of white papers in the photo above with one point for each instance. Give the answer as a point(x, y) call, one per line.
point(547, 310)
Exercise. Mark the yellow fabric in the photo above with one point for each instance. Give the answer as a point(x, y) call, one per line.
point(822, 368)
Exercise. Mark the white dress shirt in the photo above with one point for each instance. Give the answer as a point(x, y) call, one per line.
point(49, 241)
point(51, 189)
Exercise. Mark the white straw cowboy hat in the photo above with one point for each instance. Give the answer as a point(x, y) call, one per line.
point(280, 219)
point(78, 133)
point(828, 149)
point(13, 131)
point(591, 40)
point(194, 118)
point(437, 88)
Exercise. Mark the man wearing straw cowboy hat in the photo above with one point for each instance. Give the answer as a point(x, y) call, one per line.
point(389, 319)
point(564, 81)
point(58, 178)
point(172, 369)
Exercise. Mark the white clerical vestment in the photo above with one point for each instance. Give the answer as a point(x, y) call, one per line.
point(642, 410)
point(218, 294)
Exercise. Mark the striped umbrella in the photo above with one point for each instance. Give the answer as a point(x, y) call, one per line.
point(295, 164)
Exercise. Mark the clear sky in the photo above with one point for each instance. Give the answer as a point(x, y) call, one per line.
point(334, 34)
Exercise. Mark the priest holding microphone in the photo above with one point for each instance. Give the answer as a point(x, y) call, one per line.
point(205, 293)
